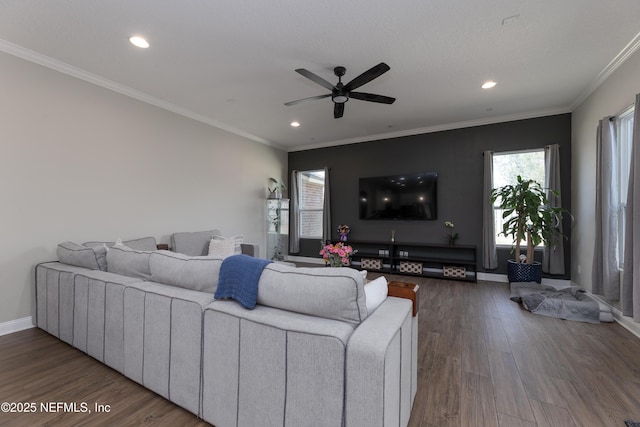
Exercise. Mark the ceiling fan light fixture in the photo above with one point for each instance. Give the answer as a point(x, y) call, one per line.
point(340, 99)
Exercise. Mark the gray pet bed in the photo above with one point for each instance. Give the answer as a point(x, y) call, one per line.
point(569, 303)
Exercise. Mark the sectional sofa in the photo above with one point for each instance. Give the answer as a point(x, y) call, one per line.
point(309, 354)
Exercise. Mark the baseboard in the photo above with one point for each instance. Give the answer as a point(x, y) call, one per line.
point(627, 323)
point(493, 277)
point(624, 321)
point(16, 325)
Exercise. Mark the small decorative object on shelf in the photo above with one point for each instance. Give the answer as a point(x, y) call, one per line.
point(343, 229)
point(337, 255)
point(276, 189)
point(452, 236)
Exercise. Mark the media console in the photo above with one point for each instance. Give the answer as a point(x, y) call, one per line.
point(451, 262)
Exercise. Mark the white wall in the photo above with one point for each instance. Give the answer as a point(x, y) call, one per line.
point(79, 162)
point(616, 93)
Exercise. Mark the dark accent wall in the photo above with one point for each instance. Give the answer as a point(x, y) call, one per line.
point(456, 155)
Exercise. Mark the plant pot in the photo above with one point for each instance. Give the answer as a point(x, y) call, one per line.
point(276, 194)
point(518, 272)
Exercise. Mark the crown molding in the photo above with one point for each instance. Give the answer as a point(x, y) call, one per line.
point(628, 51)
point(437, 128)
point(62, 67)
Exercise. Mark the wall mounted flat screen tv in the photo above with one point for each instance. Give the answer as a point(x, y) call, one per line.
point(400, 197)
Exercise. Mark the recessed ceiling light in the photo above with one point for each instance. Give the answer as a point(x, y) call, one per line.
point(139, 42)
point(489, 84)
point(295, 124)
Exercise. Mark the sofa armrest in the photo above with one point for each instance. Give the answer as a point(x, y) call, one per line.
point(380, 361)
point(268, 366)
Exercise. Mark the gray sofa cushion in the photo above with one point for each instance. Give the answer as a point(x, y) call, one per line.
point(141, 244)
point(193, 243)
point(332, 293)
point(198, 273)
point(129, 262)
point(83, 256)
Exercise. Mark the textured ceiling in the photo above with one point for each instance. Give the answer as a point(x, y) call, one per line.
point(231, 63)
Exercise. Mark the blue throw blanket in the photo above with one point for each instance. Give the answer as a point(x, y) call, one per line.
point(239, 277)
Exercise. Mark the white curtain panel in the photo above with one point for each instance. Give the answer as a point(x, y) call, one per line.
point(553, 255)
point(489, 253)
point(606, 276)
point(631, 276)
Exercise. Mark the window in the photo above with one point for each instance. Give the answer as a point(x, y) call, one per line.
point(624, 129)
point(311, 203)
point(529, 164)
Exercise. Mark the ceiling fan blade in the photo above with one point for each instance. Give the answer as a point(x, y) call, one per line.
point(338, 110)
point(306, 99)
point(372, 97)
point(315, 78)
point(367, 76)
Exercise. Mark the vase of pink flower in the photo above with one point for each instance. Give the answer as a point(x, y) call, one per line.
point(337, 255)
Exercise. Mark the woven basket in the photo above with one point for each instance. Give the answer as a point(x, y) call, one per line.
point(410, 267)
point(371, 264)
point(454, 271)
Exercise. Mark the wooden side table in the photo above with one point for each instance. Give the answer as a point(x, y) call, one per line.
point(405, 290)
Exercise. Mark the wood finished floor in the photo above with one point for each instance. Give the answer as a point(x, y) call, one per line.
point(483, 361)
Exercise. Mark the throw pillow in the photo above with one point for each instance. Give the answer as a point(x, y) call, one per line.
point(364, 275)
point(142, 244)
point(375, 292)
point(82, 256)
point(221, 247)
point(123, 260)
point(238, 240)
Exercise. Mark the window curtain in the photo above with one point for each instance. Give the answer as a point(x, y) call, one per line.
point(489, 253)
point(553, 254)
point(326, 209)
point(631, 275)
point(606, 276)
point(294, 220)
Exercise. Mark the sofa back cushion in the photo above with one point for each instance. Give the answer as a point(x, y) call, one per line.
point(142, 244)
point(199, 273)
point(192, 243)
point(123, 260)
point(332, 293)
point(83, 256)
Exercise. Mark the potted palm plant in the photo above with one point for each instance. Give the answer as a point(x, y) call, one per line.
point(527, 217)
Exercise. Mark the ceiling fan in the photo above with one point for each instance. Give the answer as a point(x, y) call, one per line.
point(341, 93)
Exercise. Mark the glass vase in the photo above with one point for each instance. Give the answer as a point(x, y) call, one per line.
point(335, 262)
